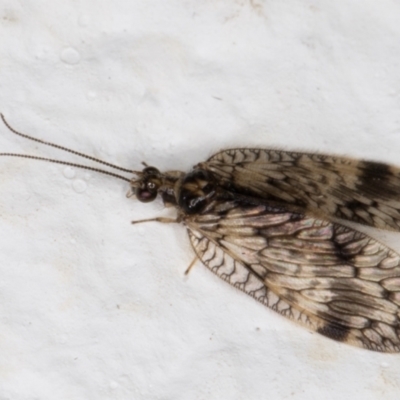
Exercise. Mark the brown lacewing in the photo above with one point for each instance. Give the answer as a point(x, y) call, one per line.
point(263, 221)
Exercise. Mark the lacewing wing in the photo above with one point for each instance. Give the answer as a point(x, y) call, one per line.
point(265, 222)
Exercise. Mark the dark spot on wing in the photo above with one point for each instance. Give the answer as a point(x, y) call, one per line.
point(340, 250)
point(333, 331)
point(296, 217)
point(354, 205)
point(375, 179)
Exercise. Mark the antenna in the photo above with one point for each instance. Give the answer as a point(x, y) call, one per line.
point(102, 171)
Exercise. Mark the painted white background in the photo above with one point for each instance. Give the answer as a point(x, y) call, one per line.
point(94, 308)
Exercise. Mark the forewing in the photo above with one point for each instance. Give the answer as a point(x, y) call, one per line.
point(360, 191)
point(243, 278)
point(333, 279)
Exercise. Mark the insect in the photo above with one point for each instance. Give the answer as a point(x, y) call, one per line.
point(265, 222)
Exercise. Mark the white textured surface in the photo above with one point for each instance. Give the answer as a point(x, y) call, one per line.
point(94, 308)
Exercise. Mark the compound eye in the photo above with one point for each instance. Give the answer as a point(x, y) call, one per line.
point(147, 193)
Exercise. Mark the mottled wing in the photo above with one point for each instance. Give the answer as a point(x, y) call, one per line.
point(360, 191)
point(243, 278)
point(330, 278)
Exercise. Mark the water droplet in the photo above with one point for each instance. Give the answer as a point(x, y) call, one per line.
point(79, 186)
point(69, 173)
point(70, 56)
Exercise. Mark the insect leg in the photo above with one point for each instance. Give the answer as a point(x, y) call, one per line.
point(191, 265)
point(158, 219)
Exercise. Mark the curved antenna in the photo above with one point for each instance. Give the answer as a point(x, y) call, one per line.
point(101, 171)
point(24, 135)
